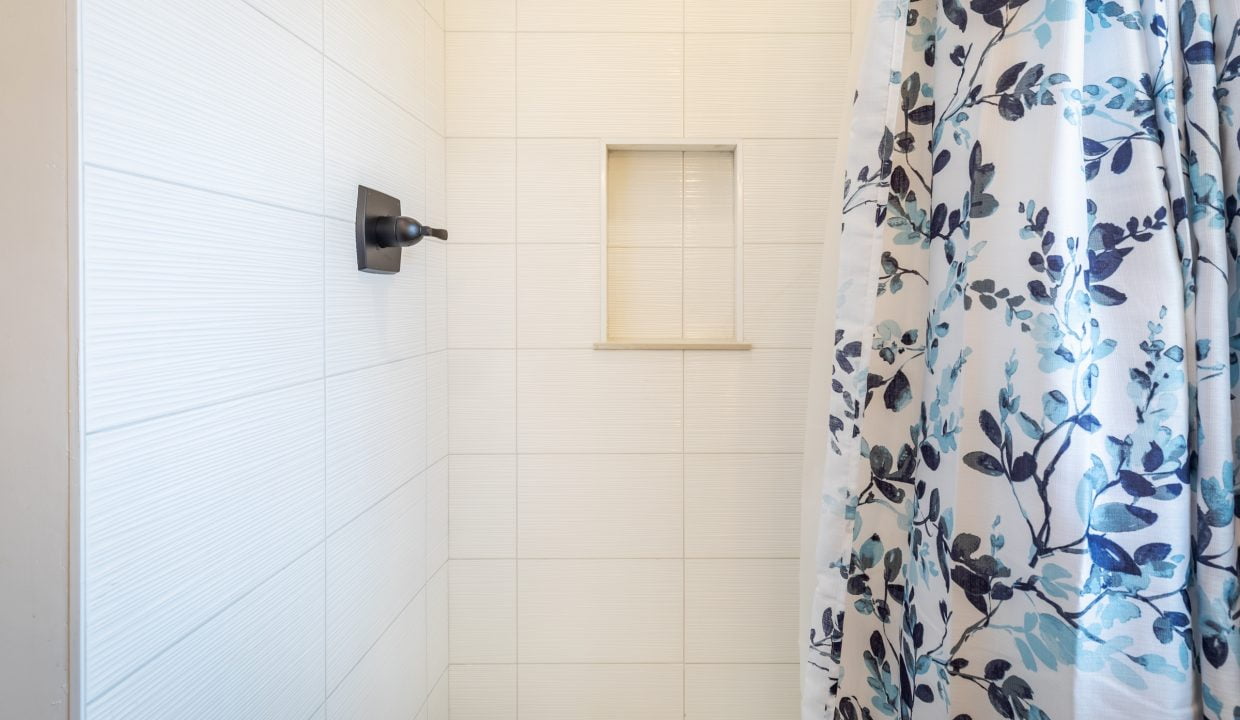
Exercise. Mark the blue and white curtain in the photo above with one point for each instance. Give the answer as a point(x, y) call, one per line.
point(1029, 510)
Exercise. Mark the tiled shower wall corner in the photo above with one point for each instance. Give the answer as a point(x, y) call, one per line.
point(623, 525)
point(264, 491)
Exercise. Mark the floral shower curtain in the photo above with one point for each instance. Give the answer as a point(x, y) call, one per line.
point(1029, 508)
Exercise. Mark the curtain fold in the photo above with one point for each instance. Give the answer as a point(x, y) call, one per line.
point(1029, 501)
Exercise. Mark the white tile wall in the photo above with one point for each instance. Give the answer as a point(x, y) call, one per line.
point(617, 543)
point(258, 515)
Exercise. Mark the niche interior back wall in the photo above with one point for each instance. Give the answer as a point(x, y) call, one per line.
point(624, 525)
point(264, 488)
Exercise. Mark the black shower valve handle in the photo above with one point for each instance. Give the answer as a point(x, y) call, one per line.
point(391, 231)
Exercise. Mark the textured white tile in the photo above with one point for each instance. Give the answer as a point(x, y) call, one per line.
point(645, 293)
point(482, 296)
point(437, 705)
point(741, 611)
point(303, 18)
point(781, 294)
point(599, 16)
point(557, 295)
point(558, 191)
point(600, 611)
point(709, 192)
point(591, 85)
point(487, 15)
point(437, 515)
point(370, 141)
point(483, 620)
point(437, 611)
point(483, 692)
point(436, 295)
point(742, 506)
point(185, 306)
point(248, 124)
point(788, 187)
point(390, 680)
point(599, 506)
point(371, 318)
point(771, 85)
point(186, 514)
point(482, 519)
point(645, 199)
point(766, 16)
point(380, 41)
point(376, 430)
point(436, 184)
point(481, 82)
point(482, 394)
point(745, 402)
point(375, 566)
point(710, 293)
point(437, 411)
point(597, 402)
point(262, 657)
point(742, 692)
point(482, 196)
point(434, 98)
point(600, 692)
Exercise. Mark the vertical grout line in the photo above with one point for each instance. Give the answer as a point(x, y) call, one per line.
point(516, 362)
point(684, 564)
point(323, 193)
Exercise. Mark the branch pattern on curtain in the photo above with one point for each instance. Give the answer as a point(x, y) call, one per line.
point(1030, 508)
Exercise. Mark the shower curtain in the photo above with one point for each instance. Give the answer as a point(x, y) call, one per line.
point(1029, 502)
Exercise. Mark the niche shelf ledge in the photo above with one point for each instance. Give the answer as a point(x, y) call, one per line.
point(672, 345)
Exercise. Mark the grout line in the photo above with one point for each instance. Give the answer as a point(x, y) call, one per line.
point(323, 154)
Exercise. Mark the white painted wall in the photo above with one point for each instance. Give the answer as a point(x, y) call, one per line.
point(264, 489)
point(35, 357)
point(624, 525)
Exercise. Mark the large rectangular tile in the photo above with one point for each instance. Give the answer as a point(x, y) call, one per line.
point(590, 402)
point(375, 566)
point(482, 296)
point(766, 16)
point(764, 85)
point(599, 16)
point(390, 680)
point(482, 195)
point(185, 515)
point(436, 295)
point(483, 692)
point(781, 294)
point(370, 141)
point(600, 692)
point(600, 611)
point(483, 517)
point(376, 430)
point(645, 293)
point(789, 185)
point(557, 296)
point(380, 41)
point(742, 692)
point(482, 392)
point(261, 657)
point(481, 15)
point(248, 124)
point(185, 308)
point(372, 319)
point(592, 85)
point(599, 506)
point(483, 617)
point(746, 402)
point(481, 85)
point(434, 97)
point(645, 198)
point(742, 506)
point(709, 199)
point(437, 411)
point(741, 611)
point(558, 191)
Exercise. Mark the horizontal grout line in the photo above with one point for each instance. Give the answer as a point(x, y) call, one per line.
point(412, 114)
point(199, 188)
point(381, 635)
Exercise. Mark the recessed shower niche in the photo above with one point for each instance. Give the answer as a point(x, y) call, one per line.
point(672, 245)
